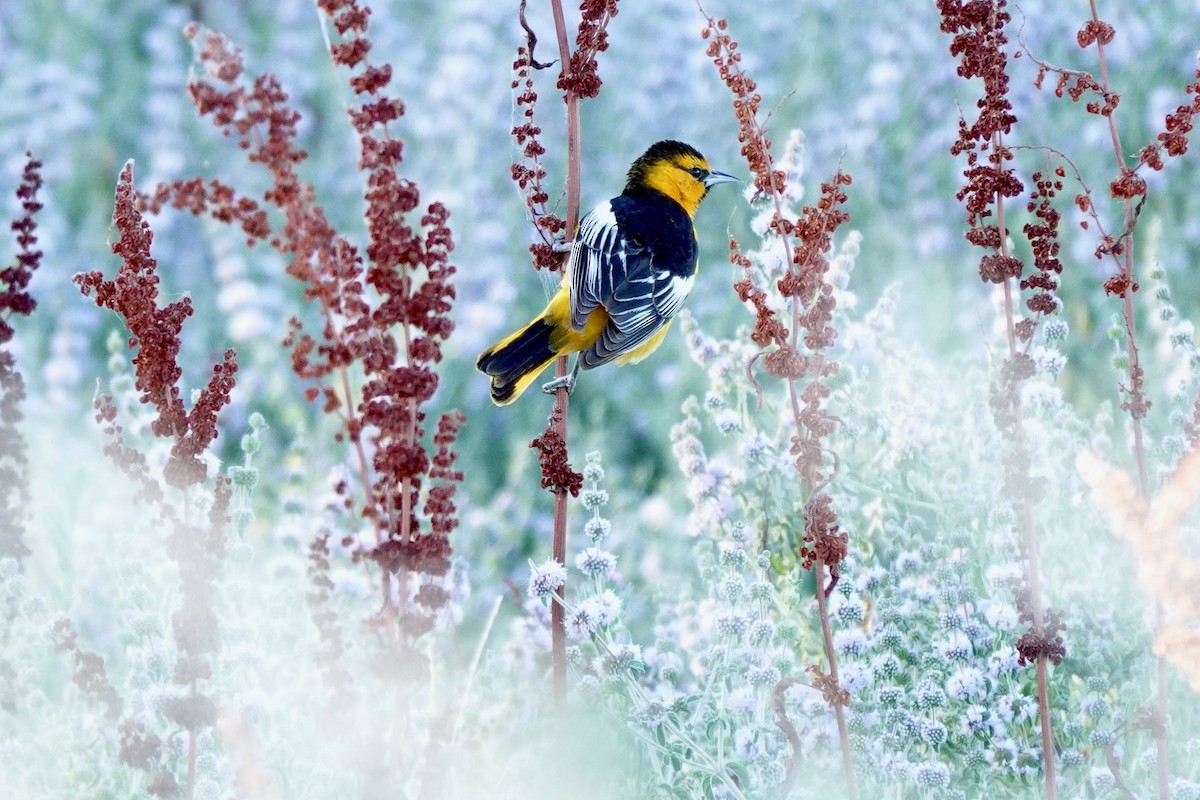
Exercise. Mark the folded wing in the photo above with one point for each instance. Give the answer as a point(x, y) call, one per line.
point(611, 271)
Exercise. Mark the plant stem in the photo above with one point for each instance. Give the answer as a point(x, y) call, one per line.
point(1010, 326)
point(838, 711)
point(808, 481)
point(1043, 684)
point(190, 790)
point(1028, 527)
point(1135, 380)
point(558, 633)
point(562, 397)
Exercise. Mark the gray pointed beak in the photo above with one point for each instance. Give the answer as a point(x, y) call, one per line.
point(713, 178)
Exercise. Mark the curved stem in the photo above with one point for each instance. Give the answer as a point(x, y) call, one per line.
point(838, 711)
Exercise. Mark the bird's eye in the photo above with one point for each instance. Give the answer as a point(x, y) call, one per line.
point(696, 173)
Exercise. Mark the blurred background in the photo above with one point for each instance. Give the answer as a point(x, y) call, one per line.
point(88, 85)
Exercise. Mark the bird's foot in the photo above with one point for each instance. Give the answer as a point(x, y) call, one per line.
point(562, 246)
point(561, 382)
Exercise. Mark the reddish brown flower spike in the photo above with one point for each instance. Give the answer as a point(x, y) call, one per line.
point(529, 174)
point(557, 475)
point(405, 266)
point(155, 332)
point(1119, 284)
point(15, 300)
point(1130, 184)
point(580, 76)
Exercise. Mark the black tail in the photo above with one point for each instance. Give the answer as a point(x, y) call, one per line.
point(515, 361)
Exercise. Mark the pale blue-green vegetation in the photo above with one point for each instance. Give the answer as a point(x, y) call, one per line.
point(686, 605)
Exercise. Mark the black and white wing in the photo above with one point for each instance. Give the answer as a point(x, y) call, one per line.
point(615, 271)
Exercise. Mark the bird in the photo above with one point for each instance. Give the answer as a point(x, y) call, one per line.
point(633, 262)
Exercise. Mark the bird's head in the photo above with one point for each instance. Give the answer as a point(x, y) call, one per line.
point(678, 171)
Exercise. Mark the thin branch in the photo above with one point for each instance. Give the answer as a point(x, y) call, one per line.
point(562, 396)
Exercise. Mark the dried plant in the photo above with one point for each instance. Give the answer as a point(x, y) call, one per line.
point(529, 174)
point(1153, 527)
point(198, 548)
point(806, 369)
point(154, 331)
point(384, 310)
point(15, 300)
point(1096, 92)
point(578, 79)
point(979, 40)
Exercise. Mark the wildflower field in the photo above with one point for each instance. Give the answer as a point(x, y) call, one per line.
point(902, 508)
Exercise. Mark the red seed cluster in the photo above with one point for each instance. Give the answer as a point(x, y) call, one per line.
point(557, 475)
point(1128, 185)
point(1191, 428)
point(128, 459)
point(831, 693)
point(756, 147)
point(807, 280)
point(768, 330)
point(1095, 30)
point(1042, 234)
point(1136, 404)
point(1030, 647)
point(978, 41)
point(324, 617)
point(804, 287)
point(1005, 404)
point(90, 673)
point(409, 269)
point(530, 173)
point(199, 550)
point(139, 749)
point(823, 540)
point(439, 506)
point(384, 308)
point(216, 198)
point(15, 299)
point(581, 76)
point(155, 332)
point(14, 279)
point(1119, 284)
point(1178, 124)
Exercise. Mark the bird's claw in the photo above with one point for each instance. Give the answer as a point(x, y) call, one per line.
point(561, 382)
point(562, 246)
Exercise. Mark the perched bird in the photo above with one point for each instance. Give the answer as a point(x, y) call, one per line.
point(632, 264)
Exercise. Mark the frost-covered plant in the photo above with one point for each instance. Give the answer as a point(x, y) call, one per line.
point(698, 699)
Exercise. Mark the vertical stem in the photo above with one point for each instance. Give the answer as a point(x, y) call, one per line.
point(1033, 565)
point(190, 790)
point(1010, 326)
point(1032, 562)
point(1160, 732)
point(558, 639)
point(1043, 683)
point(838, 712)
point(1139, 445)
point(561, 397)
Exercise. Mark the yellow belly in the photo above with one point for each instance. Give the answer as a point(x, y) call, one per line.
point(567, 340)
point(645, 348)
